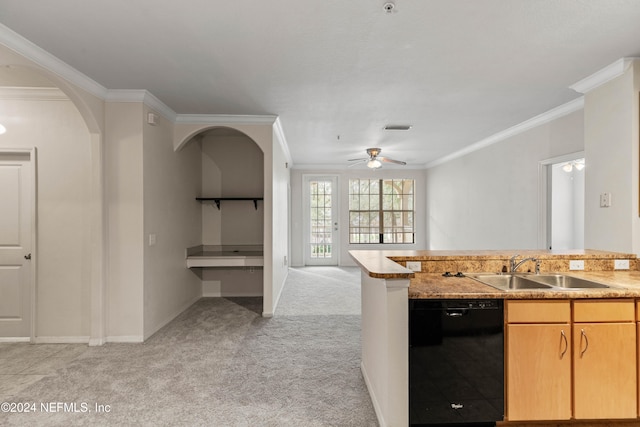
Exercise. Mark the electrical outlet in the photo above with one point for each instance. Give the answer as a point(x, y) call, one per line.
point(576, 265)
point(414, 265)
point(605, 200)
point(152, 239)
point(621, 264)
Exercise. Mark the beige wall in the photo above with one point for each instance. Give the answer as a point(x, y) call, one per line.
point(171, 182)
point(124, 176)
point(63, 257)
point(232, 166)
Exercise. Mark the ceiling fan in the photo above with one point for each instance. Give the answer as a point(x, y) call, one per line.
point(374, 161)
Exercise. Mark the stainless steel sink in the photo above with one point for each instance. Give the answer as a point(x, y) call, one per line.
point(508, 282)
point(566, 282)
point(524, 281)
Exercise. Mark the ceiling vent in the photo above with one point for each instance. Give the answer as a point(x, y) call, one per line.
point(397, 127)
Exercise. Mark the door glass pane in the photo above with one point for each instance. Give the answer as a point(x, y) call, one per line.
point(321, 218)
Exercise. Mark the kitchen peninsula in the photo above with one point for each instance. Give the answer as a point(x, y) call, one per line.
point(601, 311)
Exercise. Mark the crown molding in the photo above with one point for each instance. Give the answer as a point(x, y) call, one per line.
point(222, 119)
point(603, 76)
point(44, 59)
point(553, 114)
point(282, 140)
point(33, 94)
point(143, 96)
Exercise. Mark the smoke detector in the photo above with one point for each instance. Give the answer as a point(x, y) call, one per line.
point(388, 7)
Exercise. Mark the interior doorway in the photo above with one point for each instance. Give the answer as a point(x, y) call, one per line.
point(17, 244)
point(564, 201)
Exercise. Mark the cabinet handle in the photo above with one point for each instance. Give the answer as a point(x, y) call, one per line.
point(566, 344)
point(586, 340)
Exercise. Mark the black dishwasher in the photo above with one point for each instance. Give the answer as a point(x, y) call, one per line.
point(456, 362)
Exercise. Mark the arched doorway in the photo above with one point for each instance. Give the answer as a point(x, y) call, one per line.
point(45, 114)
point(232, 170)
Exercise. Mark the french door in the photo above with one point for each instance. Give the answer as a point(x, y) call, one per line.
point(321, 220)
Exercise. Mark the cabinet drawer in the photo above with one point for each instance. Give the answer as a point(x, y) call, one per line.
point(538, 311)
point(622, 310)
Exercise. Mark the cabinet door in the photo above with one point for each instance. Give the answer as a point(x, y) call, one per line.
point(604, 370)
point(538, 372)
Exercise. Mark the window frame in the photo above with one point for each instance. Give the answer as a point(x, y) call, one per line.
point(382, 210)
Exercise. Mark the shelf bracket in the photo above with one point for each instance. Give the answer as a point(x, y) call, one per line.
point(217, 201)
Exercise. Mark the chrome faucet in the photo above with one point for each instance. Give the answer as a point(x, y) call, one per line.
point(514, 265)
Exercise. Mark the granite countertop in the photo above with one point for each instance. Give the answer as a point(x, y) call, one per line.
point(431, 286)
point(385, 265)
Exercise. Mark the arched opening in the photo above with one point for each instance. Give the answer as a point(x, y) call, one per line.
point(45, 114)
point(232, 186)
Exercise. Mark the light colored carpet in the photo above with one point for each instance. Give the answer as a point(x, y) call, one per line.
point(221, 364)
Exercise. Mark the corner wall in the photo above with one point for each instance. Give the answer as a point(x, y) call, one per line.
point(488, 199)
point(611, 151)
point(171, 182)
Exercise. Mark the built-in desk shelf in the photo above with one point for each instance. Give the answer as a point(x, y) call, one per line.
point(225, 256)
point(217, 200)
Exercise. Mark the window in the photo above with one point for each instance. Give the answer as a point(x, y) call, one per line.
point(381, 211)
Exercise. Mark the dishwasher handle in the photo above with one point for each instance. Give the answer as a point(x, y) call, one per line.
point(456, 312)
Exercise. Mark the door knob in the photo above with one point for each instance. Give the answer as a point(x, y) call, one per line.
point(27, 256)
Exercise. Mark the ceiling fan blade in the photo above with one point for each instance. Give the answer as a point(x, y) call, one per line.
point(388, 160)
point(358, 160)
point(361, 161)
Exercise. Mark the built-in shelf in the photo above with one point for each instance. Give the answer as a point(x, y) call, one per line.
point(218, 199)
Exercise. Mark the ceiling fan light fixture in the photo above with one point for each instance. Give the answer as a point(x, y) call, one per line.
point(374, 164)
point(2, 129)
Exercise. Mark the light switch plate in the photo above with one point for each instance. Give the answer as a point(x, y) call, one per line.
point(414, 265)
point(621, 264)
point(576, 265)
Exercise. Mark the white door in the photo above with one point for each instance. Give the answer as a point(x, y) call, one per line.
point(16, 228)
point(321, 224)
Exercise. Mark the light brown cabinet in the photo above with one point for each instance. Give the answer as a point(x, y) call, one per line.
point(538, 362)
point(598, 336)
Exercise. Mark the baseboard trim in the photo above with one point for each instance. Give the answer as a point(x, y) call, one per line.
point(220, 295)
point(15, 339)
point(372, 396)
point(125, 338)
point(62, 340)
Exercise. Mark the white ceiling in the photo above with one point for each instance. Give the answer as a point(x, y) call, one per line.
point(459, 71)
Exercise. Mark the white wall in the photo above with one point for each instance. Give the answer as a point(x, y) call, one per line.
point(611, 151)
point(172, 181)
point(124, 176)
point(63, 258)
point(297, 210)
point(567, 221)
point(279, 220)
point(489, 199)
